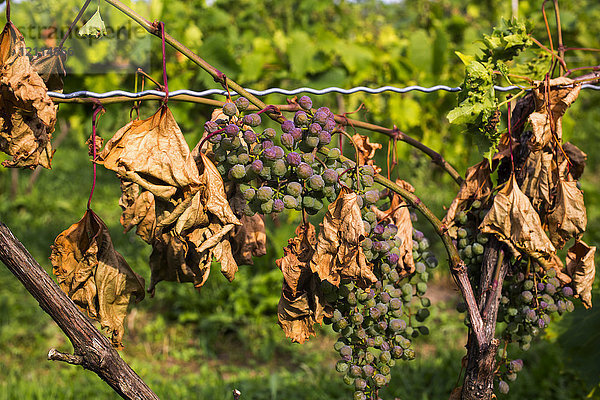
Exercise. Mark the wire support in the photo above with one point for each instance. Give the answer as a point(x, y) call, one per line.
point(209, 92)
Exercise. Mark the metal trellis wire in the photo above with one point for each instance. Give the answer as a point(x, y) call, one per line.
point(204, 93)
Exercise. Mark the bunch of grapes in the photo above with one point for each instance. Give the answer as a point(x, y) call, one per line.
point(274, 171)
point(295, 170)
point(469, 241)
point(377, 324)
point(527, 306)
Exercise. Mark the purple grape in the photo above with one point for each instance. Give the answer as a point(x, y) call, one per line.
point(250, 137)
point(346, 351)
point(256, 166)
point(300, 118)
point(418, 235)
point(242, 103)
point(324, 138)
point(287, 140)
point(305, 102)
point(326, 110)
point(540, 287)
point(287, 126)
point(270, 154)
point(278, 205)
point(296, 134)
point(269, 133)
point(267, 144)
point(543, 305)
point(293, 159)
point(232, 129)
point(314, 128)
point(320, 118)
point(330, 176)
point(393, 258)
point(368, 370)
point(211, 126)
point(516, 365)
point(304, 171)
point(329, 125)
point(374, 313)
point(216, 138)
point(379, 228)
point(251, 120)
point(567, 291)
point(279, 153)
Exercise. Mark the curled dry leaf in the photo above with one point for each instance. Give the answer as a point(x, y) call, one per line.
point(540, 176)
point(154, 154)
point(249, 239)
point(138, 210)
point(577, 158)
point(477, 185)
point(580, 265)
point(514, 221)
point(399, 215)
point(366, 151)
point(185, 253)
point(51, 68)
point(27, 114)
point(568, 219)
point(551, 102)
point(338, 252)
point(301, 304)
point(94, 275)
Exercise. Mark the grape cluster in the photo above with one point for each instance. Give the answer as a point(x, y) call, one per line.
point(377, 325)
point(274, 171)
point(469, 241)
point(295, 170)
point(527, 306)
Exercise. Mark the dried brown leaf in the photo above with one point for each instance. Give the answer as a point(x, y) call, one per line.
point(94, 275)
point(477, 185)
point(154, 154)
point(138, 210)
point(580, 265)
point(366, 150)
point(514, 221)
point(249, 240)
point(338, 252)
point(568, 219)
point(301, 304)
point(539, 179)
point(51, 68)
point(577, 159)
point(27, 114)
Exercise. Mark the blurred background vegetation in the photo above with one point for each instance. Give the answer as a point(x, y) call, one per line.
point(190, 345)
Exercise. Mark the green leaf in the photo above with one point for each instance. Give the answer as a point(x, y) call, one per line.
point(465, 58)
point(94, 27)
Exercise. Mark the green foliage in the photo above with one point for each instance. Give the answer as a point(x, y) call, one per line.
point(477, 100)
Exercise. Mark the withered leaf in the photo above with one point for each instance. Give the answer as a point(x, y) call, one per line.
point(539, 177)
point(138, 210)
point(366, 150)
point(154, 154)
point(296, 258)
point(577, 158)
point(580, 265)
point(477, 185)
point(51, 68)
point(568, 219)
point(338, 252)
point(301, 304)
point(514, 221)
point(249, 239)
point(399, 215)
point(27, 114)
point(94, 275)
point(560, 93)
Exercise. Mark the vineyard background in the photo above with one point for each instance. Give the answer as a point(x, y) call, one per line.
point(187, 345)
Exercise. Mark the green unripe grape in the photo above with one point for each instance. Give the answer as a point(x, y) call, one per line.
point(348, 380)
point(266, 173)
point(238, 171)
point(370, 217)
point(462, 218)
point(462, 243)
point(316, 182)
point(385, 357)
point(421, 287)
point(482, 238)
point(230, 109)
point(294, 189)
point(367, 181)
point(267, 207)
point(477, 248)
point(369, 357)
point(249, 194)
point(358, 395)
point(422, 314)
point(423, 330)
point(368, 170)
point(264, 193)
point(409, 331)
point(339, 344)
point(407, 289)
point(468, 251)
point(242, 103)
point(425, 276)
point(290, 202)
point(312, 141)
point(462, 233)
point(333, 154)
point(409, 354)
point(342, 367)
point(279, 168)
point(221, 168)
point(243, 158)
point(476, 204)
point(425, 302)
